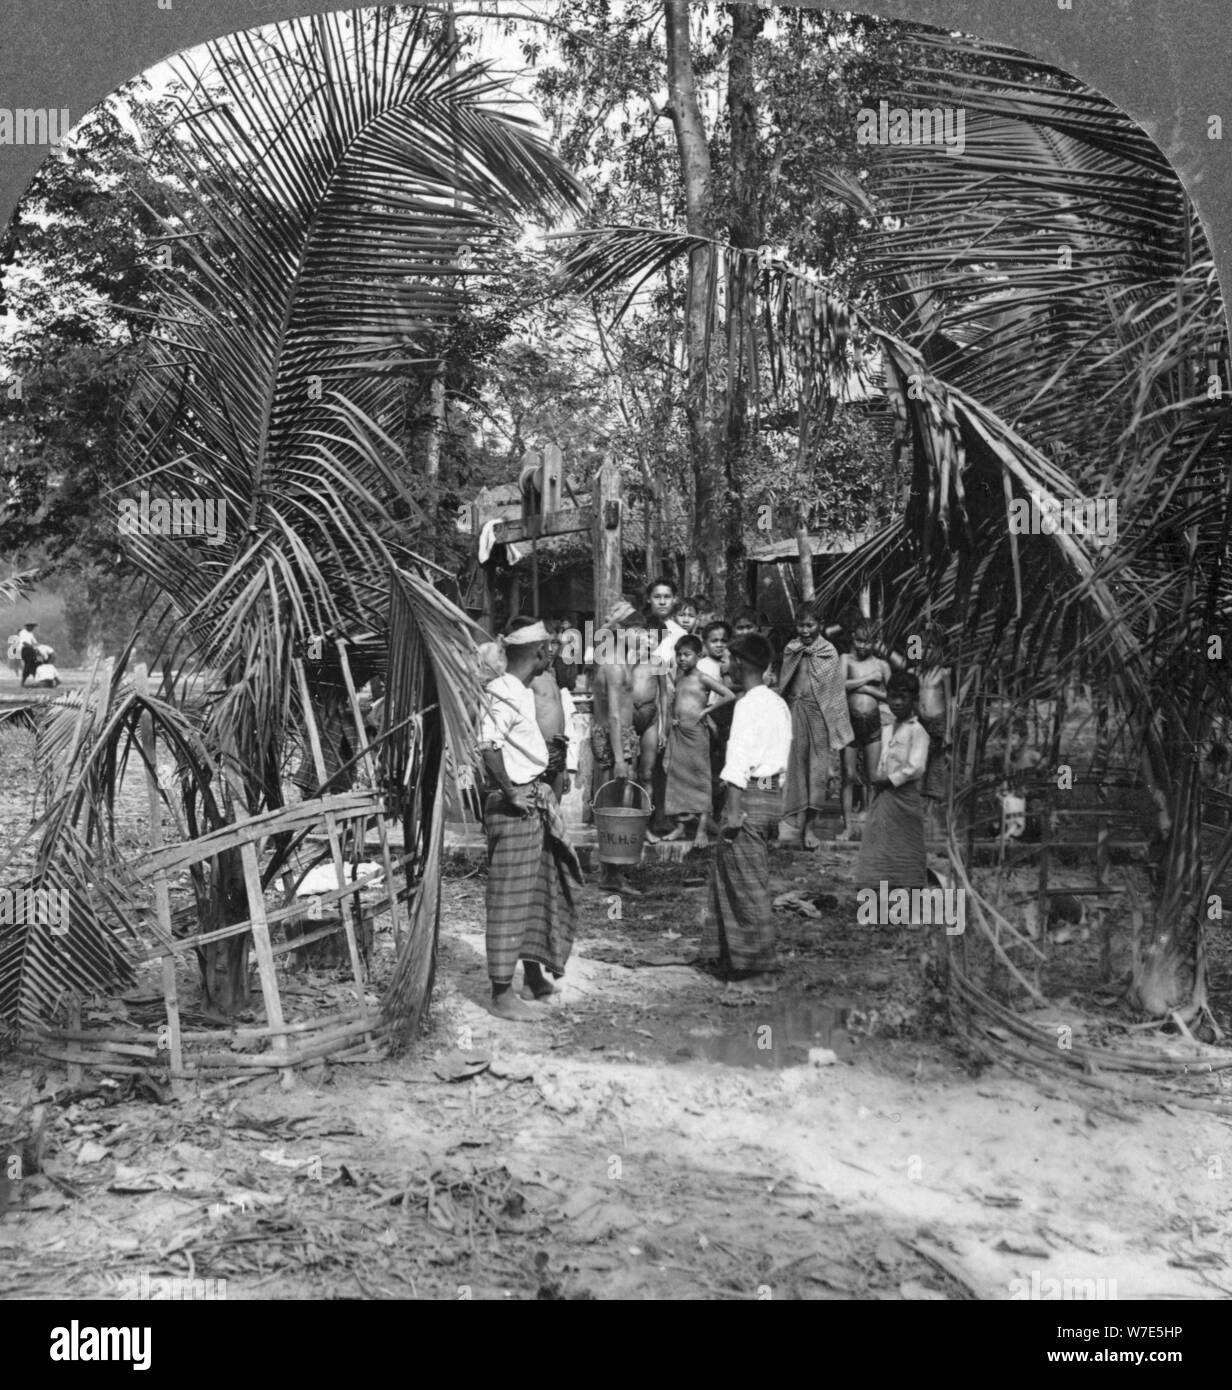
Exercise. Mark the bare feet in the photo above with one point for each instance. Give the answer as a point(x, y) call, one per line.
point(847, 833)
point(758, 983)
point(676, 833)
point(508, 1006)
point(810, 839)
point(619, 884)
point(538, 986)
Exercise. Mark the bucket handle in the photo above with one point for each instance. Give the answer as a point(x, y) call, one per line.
point(612, 782)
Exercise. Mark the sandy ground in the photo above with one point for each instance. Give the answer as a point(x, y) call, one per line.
point(651, 1137)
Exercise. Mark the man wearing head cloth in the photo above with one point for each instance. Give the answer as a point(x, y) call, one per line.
point(532, 868)
point(738, 925)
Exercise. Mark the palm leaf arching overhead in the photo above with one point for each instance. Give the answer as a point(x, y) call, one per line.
point(335, 171)
point(336, 176)
point(1047, 321)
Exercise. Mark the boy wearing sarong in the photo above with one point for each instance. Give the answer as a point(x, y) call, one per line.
point(865, 675)
point(531, 866)
point(687, 760)
point(892, 847)
point(738, 925)
point(812, 684)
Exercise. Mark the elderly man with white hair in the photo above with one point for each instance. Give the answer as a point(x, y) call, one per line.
point(532, 868)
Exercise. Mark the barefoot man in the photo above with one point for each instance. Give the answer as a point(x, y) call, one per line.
point(738, 925)
point(531, 867)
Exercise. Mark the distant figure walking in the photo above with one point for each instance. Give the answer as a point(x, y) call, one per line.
point(27, 642)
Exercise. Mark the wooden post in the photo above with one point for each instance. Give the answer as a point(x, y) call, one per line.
point(391, 888)
point(332, 834)
point(162, 896)
point(261, 945)
point(608, 548)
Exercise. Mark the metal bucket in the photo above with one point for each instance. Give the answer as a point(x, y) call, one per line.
point(621, 830)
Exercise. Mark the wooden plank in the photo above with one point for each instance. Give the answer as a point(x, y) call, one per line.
point(74, 1023)
point(176, 857)
point(292, 913)
point(553, 472)
point(370, 767)
point(266, 970)
point(162, 895)
point(331, 824)
point(607, 539)
point(553, 524)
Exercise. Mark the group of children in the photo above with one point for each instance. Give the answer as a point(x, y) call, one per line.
point(663, 710)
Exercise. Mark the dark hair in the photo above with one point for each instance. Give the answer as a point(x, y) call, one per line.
point(753, 650)
point(516, 624)
point(718, 622)
point(904, 680)
point(696, 601)
point(746, 615)
point(689, 643)
point(664, 582)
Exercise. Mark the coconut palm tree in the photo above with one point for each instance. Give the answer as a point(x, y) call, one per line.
point(1045, 319)
point(339, 179)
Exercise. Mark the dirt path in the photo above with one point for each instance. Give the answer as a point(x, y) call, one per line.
point(647, 1140)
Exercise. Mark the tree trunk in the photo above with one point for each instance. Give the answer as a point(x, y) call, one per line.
point(717, 387)
point(224, 964)
point(707, 568)
point(808, 593)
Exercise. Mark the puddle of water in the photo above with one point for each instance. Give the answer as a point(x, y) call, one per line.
point(777, 1035)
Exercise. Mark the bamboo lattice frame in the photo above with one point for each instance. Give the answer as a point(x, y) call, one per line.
point(347, 1033)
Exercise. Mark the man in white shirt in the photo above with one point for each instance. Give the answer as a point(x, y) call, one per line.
point(892, 847)
point(738, 924)
point(531, 866)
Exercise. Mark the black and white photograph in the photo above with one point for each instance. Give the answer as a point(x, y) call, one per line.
point(615, 682)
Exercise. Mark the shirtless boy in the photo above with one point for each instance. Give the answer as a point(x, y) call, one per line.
point(689, 786)
point(628, 693)
point(550, 716)
point(865, 675)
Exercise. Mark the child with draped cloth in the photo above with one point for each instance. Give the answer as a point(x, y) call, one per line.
point(892, 848)
point(812, 683)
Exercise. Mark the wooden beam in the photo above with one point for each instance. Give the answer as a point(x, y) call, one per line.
point(607, 538)
point(554, 524)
